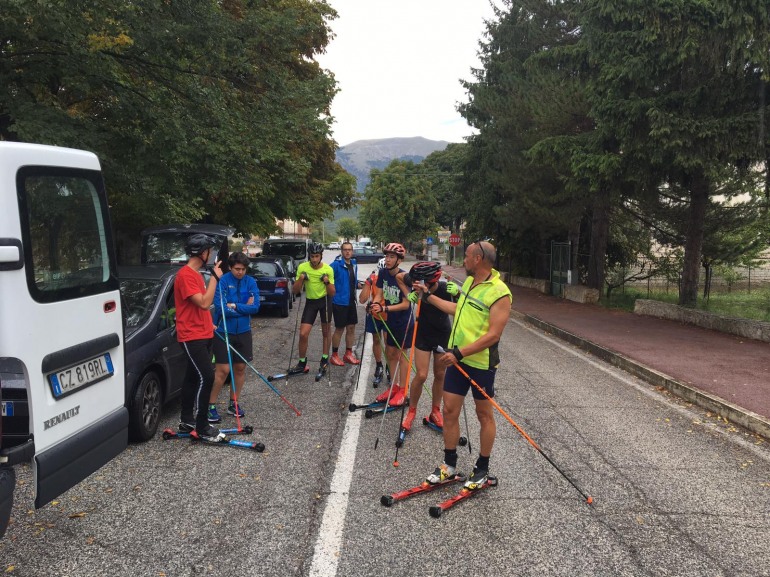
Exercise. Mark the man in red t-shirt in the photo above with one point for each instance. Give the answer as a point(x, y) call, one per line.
point(195, 331)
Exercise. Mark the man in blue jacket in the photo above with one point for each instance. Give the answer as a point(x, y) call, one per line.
point(236, 299)
point(344, 305)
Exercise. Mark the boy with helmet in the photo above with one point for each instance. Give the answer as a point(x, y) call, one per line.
point(235, 300)
point(318, 280)
point(374, 327)
point(433, 327)
point(390, 304)
point(344, 304)
point(195, 330)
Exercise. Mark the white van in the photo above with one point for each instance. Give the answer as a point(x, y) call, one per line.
point(297, 248)
point(61, 336)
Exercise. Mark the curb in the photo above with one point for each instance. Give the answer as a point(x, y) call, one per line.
point(733, 413)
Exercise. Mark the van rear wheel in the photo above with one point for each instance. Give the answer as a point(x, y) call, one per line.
point(144, 412)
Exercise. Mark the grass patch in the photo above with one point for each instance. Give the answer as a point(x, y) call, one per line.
point(741, 304)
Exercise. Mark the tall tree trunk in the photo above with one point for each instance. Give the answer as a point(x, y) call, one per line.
point(693, 246)
point(600, 231)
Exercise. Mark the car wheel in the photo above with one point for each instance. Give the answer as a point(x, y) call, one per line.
point(285, 309)
point(7, 484)
point(144, 412)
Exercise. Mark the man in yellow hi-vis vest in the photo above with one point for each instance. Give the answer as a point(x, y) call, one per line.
point(480, 315)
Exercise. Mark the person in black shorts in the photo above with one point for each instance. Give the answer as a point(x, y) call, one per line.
point(433, 328)
point(344, 305)
point(238, 293)
point(372, 326)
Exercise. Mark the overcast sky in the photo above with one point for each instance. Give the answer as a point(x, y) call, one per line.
point(398, 65)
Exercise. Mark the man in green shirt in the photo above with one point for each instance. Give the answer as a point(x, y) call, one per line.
point(480, 316)
point(317, 278)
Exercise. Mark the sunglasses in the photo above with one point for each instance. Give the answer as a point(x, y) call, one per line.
point(481, 247)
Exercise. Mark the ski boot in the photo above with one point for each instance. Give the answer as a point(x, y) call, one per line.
point(406, 424)
point(336, 360)
point(379, 372)
point(436, 418)
point(441, 474)
point(350, 358)
point(300, 368)
point(323, 367)
point(383, 396)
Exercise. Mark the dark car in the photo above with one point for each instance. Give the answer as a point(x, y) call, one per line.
point(274, 283)
point(164, 244)
point(366, 255)
point(155, 362)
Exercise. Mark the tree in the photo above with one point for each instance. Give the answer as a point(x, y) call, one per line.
point(681, 85)
point(400, 204)
point(199, 111)
point(348, 228)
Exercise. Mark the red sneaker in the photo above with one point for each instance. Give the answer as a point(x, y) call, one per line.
point(350, 358)
point(410, 415)
point(397, 398)
point(383, 396)
point(336, 360)
point(435, 417)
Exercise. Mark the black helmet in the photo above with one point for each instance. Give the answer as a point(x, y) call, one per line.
point(316, 248)
point(426, 271)
point(197, 243)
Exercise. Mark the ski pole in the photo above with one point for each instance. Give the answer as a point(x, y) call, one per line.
point(361, 355)
point(294, 336)
point(261, 376)
point(393, 377)
point(588, 498)
point(229, 356)
point(408, 378)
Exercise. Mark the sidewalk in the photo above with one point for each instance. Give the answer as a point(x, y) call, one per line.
point(722, 373)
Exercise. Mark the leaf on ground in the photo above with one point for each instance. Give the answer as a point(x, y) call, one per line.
point(77, 515)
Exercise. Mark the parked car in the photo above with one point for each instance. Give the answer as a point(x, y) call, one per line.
point(165, 243)
point(155, 362)
point(298, 248)
point(274, 283)
point(333, 246)
point(366, 254)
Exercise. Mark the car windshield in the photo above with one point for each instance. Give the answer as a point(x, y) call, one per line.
point(139, 296)
point(168, 247)
point(264, 269)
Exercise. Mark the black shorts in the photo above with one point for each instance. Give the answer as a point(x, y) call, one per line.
point(428, 340)
point(312, 308)
point(371, 324)
point(401, 337)
point(241, 342)
point(344, 315)
point(457, 383)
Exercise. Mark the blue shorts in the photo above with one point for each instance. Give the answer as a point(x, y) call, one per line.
point(457, 383)
point(371, 323)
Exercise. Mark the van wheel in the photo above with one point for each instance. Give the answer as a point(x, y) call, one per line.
point(144, 412)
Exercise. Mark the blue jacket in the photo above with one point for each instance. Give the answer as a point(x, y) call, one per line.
point(342, 280)
point(232, 290)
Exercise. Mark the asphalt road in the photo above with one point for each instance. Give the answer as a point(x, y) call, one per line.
point(676, 492)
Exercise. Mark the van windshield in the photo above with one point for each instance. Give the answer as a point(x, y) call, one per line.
point(294, 248)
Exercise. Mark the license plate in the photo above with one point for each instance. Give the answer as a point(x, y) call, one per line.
point(73, 378)
point(7, 409)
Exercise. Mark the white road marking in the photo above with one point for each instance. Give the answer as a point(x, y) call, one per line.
point(327, 548)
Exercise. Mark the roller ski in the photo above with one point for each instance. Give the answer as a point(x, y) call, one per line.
point(322, 369)
point(352, 407)
point(472, 486)
point(172, 434)
point(369, 413)
point(225, 441)
point(424, 487)
point(299, 369)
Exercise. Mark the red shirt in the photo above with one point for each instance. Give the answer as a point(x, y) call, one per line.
point(192, 322)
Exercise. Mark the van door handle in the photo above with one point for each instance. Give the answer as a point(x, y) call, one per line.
point(110, 307)
point(11, 255)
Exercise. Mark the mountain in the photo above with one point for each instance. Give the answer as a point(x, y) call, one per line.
point(361, 156)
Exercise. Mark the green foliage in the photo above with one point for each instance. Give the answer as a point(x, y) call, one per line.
point(348, 228)
point(400, 204)
point(199, 110)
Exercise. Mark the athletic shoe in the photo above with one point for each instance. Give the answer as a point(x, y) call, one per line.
point(441, 474)
point(383, 396)
point(210, 433)
point(336, 360)
point(378, 373)
point(299, 368)
point(324, 362)
point(477, 479)
point(397, 398)
point(410, 415)
point(185, 427)
point(231, 410)
point(435, 417)
point(214, 414)
point(350, 358)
